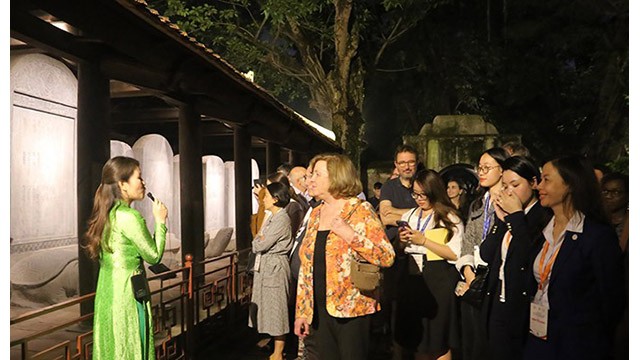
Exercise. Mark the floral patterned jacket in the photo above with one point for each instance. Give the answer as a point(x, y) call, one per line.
point(344, 300)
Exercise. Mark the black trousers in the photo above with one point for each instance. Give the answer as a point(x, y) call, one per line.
point(506, 340)
point(341, 338)
point(474, 333)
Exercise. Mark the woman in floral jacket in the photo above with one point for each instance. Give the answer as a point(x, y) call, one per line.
point(341, 230)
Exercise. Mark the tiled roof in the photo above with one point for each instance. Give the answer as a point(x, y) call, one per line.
point(141, 7)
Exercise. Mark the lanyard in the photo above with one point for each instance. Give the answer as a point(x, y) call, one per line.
point(487, 218)
point(425, 223)
point(546, 270)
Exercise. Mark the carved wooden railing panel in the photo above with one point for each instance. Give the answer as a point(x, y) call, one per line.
point(174, 303)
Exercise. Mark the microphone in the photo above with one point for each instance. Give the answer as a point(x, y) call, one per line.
point(150, 195)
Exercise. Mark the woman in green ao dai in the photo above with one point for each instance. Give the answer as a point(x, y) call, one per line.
point(118, 237)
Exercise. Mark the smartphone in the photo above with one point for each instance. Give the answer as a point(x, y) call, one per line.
point(403, 224)
point(150, 195)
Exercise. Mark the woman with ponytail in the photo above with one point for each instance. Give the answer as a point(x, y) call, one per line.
point(118, 238)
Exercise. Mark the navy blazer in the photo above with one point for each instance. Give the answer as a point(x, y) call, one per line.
point(585, 296)
point(525, 230)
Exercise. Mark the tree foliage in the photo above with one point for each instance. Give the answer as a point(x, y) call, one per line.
point(554, 71)
point(328, 47)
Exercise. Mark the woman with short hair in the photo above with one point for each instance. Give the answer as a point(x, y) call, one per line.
point(341, 230)
point(272, 275)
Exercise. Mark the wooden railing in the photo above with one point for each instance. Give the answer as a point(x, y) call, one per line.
point(178, 305)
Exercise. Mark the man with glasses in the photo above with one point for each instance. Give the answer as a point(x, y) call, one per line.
point(395, 195)
point(395, 200)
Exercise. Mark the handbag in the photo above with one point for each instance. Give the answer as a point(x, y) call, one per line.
point(140, 287)
point(365, 276)
point(478, 287)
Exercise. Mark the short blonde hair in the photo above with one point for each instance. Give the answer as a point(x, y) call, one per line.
point(343, 177)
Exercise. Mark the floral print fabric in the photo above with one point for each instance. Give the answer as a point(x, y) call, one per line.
point(370, 244)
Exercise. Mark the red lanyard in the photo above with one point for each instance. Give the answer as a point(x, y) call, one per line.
point(546, 270)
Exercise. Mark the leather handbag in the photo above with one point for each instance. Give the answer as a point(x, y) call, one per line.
point(478, 287)
point(140, 287)
point(365, 276)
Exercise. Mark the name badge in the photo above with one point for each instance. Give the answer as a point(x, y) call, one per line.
point(538, 320)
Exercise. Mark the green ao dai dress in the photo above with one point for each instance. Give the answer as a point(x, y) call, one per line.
point(122, 327)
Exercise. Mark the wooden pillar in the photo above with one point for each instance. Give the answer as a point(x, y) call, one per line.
point(191, 206)
point(242, 172)
point(191, 189)
point(273, 157)
point(93, 150)
point(295, 158)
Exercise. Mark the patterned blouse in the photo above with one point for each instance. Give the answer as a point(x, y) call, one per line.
point(344, 300)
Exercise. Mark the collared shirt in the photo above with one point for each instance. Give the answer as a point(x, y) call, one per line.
point(303, 194)
point(417, 251)
point(576, 225)
point(297, 238)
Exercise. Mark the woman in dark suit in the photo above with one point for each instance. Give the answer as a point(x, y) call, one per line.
point(577, 270)
point(508, 249)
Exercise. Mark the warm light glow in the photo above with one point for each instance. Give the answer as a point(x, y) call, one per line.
point(323, 130)
point(62, 26)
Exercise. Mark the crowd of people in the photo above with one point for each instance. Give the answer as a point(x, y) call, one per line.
point(530, 264)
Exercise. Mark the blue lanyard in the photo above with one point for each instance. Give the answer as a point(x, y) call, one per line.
point(425, 223)
point(487, 218)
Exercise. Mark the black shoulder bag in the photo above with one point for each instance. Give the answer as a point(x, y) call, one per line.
point(478, 287)
point(140, 287)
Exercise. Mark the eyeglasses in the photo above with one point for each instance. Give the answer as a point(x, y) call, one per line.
point(614, 193)
point(405, 163)
point(485, 169)
point(416, 195)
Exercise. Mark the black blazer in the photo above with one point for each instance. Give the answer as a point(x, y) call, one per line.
point(585, 296)
point(525, 229)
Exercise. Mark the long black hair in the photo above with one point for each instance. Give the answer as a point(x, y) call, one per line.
point(436, 191)
point(523, 166)
point(584, 189)
point(119, 168)
point(499, 155)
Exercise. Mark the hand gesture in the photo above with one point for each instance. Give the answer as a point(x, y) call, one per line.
point(342, 229)
point(411, 236)
point(499, 211)
point(160, 211)
point(301, 327)
point(256, 190)
point(508, 201)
